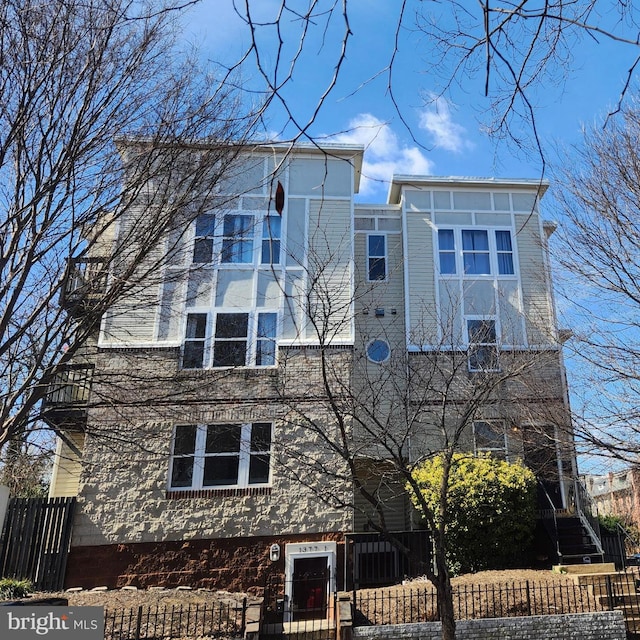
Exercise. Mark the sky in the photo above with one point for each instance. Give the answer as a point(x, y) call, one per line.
point(440, 135)
point(424, 132)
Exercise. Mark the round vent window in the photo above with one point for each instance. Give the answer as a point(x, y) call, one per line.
point(378, 351)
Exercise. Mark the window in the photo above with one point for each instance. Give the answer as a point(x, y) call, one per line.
point(237, 239)
point(230, 344)
point(483, 347)
point(205, 231)
point(504, 252)
point(378, 351)
point(221, 455)
point(447, 249)
point(475, 252)
point(266, 339)
point(377, 257)
point(490, 437)
point(194, 343)
point(271, 234)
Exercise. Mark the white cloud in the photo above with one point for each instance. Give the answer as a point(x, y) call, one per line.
point(384, 154)
point(437, 121)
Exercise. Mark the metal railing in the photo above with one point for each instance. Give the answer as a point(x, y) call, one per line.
point(410, 604)
point(86, 278)
point(219, 620)
point(588, 513)
point(70, 387)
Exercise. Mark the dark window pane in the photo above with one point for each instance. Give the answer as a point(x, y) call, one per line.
point(265, 353)
point(483, 331)
point(475, 240)
point(193, 356)
point(267, 323)
point(376, 246)
point(272, 227)
point(220, 470)
point(185, 440)
point(230, 353)
point(259, 469)
point(377, 269)
point(232, 325)
point(503, 241)
point(235, 251)
point(196, 325)
point(270, 252)
point(483, 358)
point(223, 438)
point(505, 264)
point(260, 436)
point(489, 435)
point(205, 225)
point(447, 263)
point(237, 225)
point(182, 472)
point(477, 263)
point(203, 250)
point(445, 240)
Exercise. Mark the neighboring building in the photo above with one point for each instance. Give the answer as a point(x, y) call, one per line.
point(196, 431)
point(617, 494)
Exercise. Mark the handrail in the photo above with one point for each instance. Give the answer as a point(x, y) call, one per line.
point(588, 514)
point(555, 520)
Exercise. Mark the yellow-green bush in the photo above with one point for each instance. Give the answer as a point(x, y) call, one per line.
point(491, 509)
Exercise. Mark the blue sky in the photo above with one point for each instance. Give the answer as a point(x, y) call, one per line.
point(446, 137)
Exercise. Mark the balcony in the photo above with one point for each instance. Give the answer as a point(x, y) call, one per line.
point(65, 404)
point(86, 283)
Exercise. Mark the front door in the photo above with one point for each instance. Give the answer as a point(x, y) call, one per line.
point(310, 588)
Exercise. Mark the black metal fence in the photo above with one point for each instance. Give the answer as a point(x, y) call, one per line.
point(219, 620)
point(35, 540)
point(407, 604)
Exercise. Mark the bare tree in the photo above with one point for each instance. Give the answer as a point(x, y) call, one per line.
point(600, 250)
point(79, 81)
point(372, 423)
point(509, 52)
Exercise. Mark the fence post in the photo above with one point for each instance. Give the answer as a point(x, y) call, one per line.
point(138, 623)
point(528, 599)
point(243, 620)
point(610, 602)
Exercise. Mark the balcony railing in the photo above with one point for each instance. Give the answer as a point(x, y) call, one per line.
point(86, 281)
point(67, 397)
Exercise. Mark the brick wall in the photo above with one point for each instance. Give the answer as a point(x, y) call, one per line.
point(605, 625)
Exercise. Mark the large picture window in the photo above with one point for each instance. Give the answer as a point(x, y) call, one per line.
point(221, 455)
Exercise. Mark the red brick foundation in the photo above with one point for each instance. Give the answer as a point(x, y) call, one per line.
point(235, 564)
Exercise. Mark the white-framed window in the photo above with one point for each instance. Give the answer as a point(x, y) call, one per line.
point(376, 257)
point(481, 252)
point(238, 339)
point(271, 239)
point(221, 455)
point(378, 351)
point(205, 237)
point(237, 239)
point(490, 436)
point(483, 344)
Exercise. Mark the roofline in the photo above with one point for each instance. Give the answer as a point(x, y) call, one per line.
point(398, 181)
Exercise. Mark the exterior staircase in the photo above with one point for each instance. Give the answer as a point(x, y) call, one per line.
point(576, 544)
point(613, 589)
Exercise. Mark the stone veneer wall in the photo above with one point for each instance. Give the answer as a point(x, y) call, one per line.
point(238, 564)
point(604, 625)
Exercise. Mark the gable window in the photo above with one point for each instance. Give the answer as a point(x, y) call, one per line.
point(205, 232)
point(475, 252)
point(221, 455)
point(483, 345)
point(490, 437)
point(194, 343)
point(230, 343)
point(271, 234)
point(447, 251)
point(377, 257)
point(237, 239)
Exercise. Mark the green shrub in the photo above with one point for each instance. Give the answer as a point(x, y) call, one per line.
point(12, 588)
point(491, 510)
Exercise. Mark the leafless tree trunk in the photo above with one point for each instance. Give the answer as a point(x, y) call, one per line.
point(79, 81)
